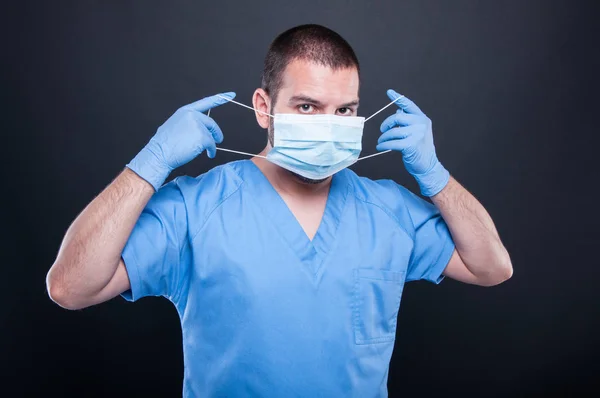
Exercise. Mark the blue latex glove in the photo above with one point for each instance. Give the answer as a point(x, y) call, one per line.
point(180, 139)
point(409, 132)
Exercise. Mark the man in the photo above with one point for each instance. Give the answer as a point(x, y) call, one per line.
point(286, 272)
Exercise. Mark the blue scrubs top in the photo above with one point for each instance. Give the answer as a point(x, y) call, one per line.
point(265, 311)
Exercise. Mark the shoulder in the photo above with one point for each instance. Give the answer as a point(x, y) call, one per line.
point(212, 187)
point(215, 184)
point(199, 196)
point(387, 196)
point(384, 192)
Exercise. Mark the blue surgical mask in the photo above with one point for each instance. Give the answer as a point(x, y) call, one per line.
point(314, 146)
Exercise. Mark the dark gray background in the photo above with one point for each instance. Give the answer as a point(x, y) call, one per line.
point(511, 87)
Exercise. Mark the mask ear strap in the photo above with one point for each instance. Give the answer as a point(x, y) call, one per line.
point(389, 150)
point(241, 153)
point(367, 119)
point(245, 106)
point(370, 156)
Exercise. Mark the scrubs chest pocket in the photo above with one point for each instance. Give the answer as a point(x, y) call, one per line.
point(376, 302)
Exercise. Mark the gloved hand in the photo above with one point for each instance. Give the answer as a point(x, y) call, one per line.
point(180, 139)
point(409, 131)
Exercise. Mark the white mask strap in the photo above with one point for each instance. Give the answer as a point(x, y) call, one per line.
point(384, 108)
point(241, 153)
point(375, 154)
point(389, 150)
point(244, 105)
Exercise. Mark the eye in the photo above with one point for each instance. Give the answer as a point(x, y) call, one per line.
point(345, 111)
point(305, 108)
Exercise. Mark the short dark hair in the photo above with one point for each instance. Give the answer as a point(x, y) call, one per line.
point(310, 42)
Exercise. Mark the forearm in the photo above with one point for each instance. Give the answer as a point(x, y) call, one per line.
point(91, 249)
point(474, 234)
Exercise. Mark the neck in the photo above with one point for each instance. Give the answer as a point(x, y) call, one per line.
point(286, 182)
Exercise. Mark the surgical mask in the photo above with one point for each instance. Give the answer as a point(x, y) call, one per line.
point(314, 146)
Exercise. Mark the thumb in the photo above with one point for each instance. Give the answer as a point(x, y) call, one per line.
point(404, 103)
point(210, 102)
point(392, 95)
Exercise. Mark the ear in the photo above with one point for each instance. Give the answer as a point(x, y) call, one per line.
point(261, 102)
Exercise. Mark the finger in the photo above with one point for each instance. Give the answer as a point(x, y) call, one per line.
point(211, 149)
point(398, 133)
point(397, 145)
point(210, 102)
point(398, 119)
point(404, 103)
point(211, 125)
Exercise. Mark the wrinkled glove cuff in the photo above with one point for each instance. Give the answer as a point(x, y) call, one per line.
point(148, 166)
point(432, 182)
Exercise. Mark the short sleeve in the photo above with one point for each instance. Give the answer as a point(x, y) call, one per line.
point(156, 255)
point(433, 244)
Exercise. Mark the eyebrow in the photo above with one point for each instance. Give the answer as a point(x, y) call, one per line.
point(312, 101)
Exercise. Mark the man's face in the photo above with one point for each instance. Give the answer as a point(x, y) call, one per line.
point(309, 89)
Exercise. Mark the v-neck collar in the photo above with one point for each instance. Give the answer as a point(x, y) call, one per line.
point(311, 253)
